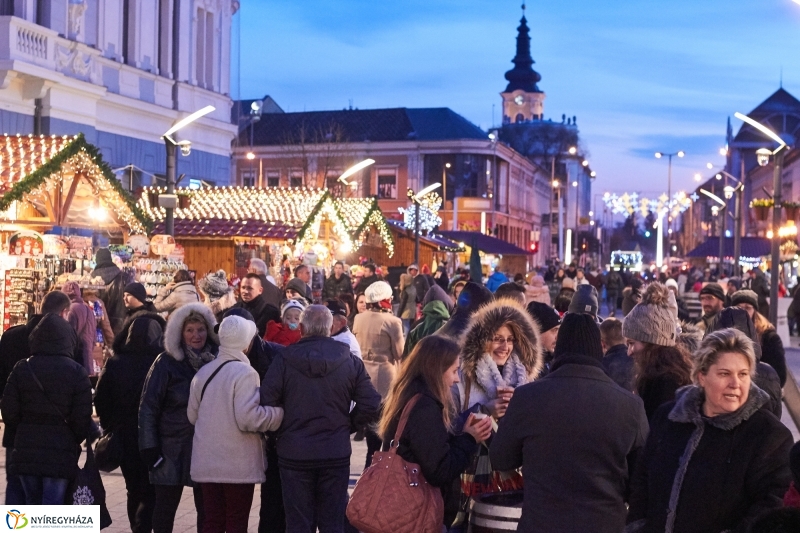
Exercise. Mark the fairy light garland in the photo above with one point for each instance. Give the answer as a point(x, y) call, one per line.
point(629, 203)
point(429, 218)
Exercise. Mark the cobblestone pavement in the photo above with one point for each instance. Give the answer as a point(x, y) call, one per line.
point(185, 519)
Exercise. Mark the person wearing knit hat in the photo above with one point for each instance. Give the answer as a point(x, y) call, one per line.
point(651, 331)
point(683, 311)
point(712, 298)
point(217, 294)
point(287, 331)
point(578, 408)
point(135, 295)
point(584, 300)
point(227, 455)
point(745, 296)
point(549, 323)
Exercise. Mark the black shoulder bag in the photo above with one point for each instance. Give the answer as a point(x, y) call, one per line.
point(203, 392)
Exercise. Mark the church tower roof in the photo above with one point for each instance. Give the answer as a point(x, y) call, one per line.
point(522, 76)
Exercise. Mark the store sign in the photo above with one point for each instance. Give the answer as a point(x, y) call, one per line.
point(178, 254)
point(139, 243)
point(26, 244)
point(162, 245)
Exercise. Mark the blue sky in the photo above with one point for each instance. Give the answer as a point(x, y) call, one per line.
point(640, 75)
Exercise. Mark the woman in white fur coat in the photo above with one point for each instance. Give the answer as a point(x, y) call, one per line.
point(501, 350)
point(228, 457)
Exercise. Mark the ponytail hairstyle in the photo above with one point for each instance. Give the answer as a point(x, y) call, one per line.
point(429, 360)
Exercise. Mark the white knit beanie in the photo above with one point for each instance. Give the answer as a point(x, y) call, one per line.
point(236, 333)
point(652, 320)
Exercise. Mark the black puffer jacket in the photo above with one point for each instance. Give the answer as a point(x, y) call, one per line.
point(315, 380)
point(441, 456)
point(163, 423)
point(334, 288)
point(725, 470)
point(112, 295)
point(261, 311)
point(46, 435)
point(119, 388)
point(121, 335)
point(773, 353)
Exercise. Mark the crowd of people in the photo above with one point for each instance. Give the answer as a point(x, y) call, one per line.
point(644, 421)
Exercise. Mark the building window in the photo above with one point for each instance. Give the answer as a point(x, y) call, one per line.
point(387, 183)
point(248, 176)
point(204, 49)
point(273, 178)
point(296, 179)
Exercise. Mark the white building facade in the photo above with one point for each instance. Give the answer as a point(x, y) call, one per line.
point(121, 72)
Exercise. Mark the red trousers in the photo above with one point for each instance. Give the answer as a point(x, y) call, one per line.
point(227, 507)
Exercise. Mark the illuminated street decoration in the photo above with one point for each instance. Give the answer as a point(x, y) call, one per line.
point(428, 213)
point(628, 203)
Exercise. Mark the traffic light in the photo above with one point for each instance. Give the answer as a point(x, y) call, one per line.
point(534, 246)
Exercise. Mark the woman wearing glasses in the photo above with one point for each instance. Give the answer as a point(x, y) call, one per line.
point(500, 351)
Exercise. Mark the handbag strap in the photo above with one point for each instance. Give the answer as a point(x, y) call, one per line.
point(203, 392)
point(401, 426)
point(41, 388)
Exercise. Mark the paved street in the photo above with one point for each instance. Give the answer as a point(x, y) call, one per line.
point(185, 519)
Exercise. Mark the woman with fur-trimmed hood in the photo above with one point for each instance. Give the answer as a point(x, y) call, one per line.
point(165, 433)
point(500, 351)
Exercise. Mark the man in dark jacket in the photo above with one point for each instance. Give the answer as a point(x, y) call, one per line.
point(616, 361)
point(614, 288)
point(272, 294)
point(253, 301)
point(117, 402)
point(47, 408)
point(369, 278)
point(315, 380)
point(712, 299)
point(13, 349)
point(337, 284)
point(303, 273)
point(588, 415)
point(115, 281)
point(760, 286)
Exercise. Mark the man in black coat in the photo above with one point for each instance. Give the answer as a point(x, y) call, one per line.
point(117, 402)
point(115, 281)
point(253, 301)
point(616, 361)
point(337, 284)
point(272, 294)
point(13, 349)
point(47, 408)
point(578, 452)
point(369, 278)
point(315, 382)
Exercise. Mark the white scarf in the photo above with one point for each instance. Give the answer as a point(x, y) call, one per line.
point(489, 378)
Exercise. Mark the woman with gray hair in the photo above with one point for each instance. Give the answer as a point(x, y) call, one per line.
point(714, 458)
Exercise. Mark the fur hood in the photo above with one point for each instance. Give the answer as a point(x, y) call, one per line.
point(482, 326)
point(174, 330)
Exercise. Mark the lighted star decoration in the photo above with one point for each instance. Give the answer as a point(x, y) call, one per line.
point(629, 203)
point(429, 218)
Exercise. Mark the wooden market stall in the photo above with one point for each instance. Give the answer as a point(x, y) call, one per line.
point(224, 227)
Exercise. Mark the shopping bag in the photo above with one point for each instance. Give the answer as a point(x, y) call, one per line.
point(87, 488)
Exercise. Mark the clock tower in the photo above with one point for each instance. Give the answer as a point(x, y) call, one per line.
point(522, 99)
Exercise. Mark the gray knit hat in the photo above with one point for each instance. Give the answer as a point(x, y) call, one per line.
point(584, 300)
point(745, 296)
point(651, 320)
point(215, 284)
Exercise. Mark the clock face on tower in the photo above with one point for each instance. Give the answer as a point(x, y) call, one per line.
point(519, 99)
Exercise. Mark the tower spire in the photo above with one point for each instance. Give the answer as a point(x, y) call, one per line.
point(522, 76)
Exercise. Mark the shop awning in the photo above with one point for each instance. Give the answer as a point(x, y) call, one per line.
point(485, 243)
point(752, 247)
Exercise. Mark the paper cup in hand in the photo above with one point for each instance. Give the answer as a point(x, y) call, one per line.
point(476, 417)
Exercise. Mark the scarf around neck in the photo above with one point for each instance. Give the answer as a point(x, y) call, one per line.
point(489, 378)
point(197, 360)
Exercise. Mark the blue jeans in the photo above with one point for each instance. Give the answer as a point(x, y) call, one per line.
point(44, 490)
point(315, 499)
point(406, 325)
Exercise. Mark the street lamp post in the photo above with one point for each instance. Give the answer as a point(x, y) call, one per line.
point(737, 216)
point(171, 146)
point(659, 155)
point(417, 198)
point(776, 208)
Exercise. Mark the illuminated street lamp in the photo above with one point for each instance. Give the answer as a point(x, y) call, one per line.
point(171, 200)
point(416, 198)
point(777, 186)
point(659, 155)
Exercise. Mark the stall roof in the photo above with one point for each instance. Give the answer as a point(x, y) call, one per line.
point(274, 212)
point(485, 243)
point(444, 244)
point(65, 180)
point(751, 247)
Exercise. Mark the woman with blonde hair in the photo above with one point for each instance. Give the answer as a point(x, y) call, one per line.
point(772, 351)
point(431, 438)
point(713, 448)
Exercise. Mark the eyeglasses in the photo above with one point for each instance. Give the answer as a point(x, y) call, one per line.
point(501, 340)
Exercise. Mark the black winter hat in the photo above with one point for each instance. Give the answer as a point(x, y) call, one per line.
point(579, 335)
point(336, 307)
point(584, 300)
point(53, 336)
point(715, 290)
point(546, 316)
point(473, 296)
point(136, 290)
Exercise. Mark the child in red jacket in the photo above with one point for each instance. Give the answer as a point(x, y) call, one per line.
point(287, 331)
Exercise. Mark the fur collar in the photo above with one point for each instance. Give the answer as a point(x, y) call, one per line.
point(689, 404)
point(174, 331)
point(488, 376)
point(481, 329)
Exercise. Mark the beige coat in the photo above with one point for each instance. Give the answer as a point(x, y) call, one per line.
point(380, 336)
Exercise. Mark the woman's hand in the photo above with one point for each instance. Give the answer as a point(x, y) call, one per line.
point(480, 429)
point(497, 407)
